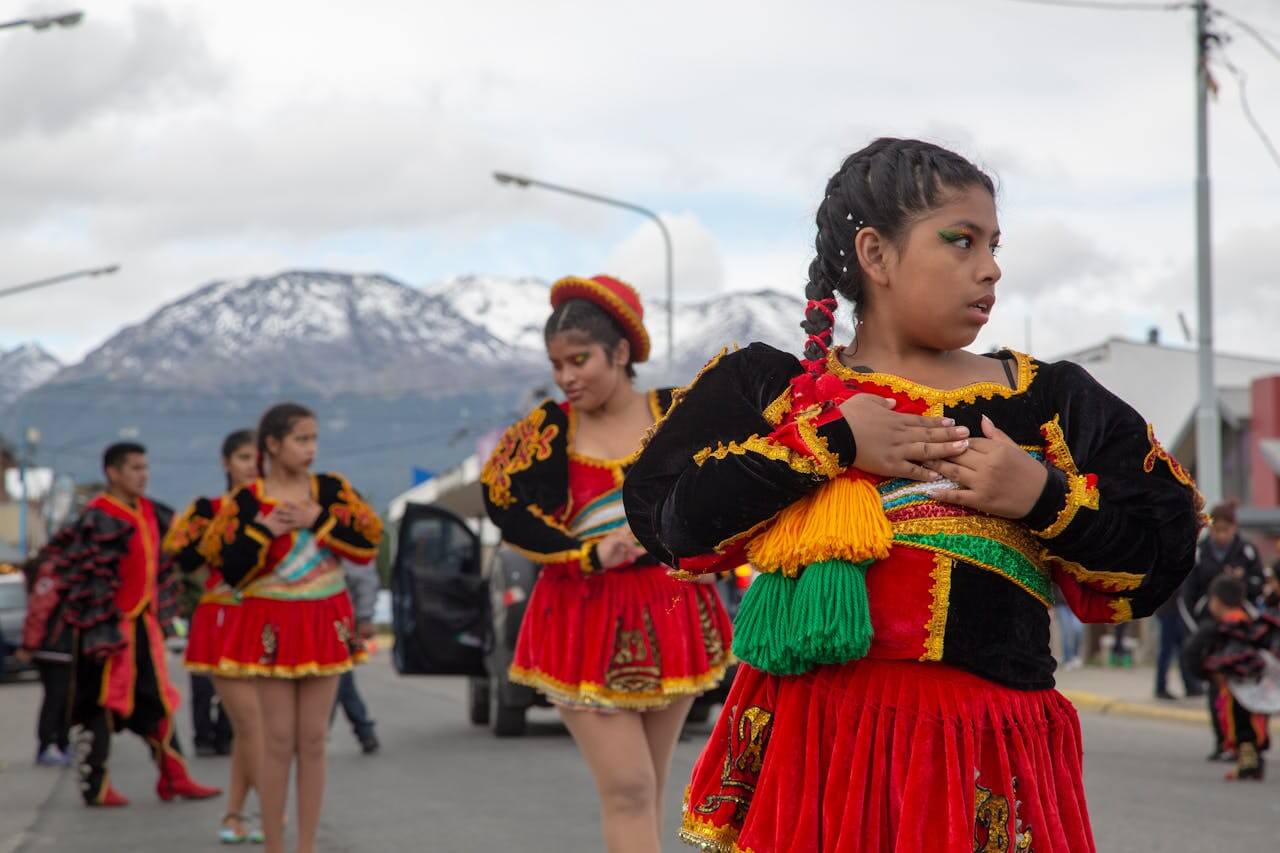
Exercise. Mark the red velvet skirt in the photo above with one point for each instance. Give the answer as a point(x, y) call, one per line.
point(879, 756)
point(211, 623)
point(290, 639)
point(630, 638)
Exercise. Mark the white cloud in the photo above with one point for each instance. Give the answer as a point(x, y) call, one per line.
point(640, 259)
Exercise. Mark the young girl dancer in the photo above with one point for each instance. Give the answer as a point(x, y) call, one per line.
point(214, 619)
point(280, 541)
point(909, 505)
point(616, 644)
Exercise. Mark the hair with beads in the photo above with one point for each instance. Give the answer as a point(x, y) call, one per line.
point(589, 322)
point(886, 186)
point(277, 422)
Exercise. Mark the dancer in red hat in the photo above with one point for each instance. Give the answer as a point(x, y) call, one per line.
point(909, 506)
point(619, 646)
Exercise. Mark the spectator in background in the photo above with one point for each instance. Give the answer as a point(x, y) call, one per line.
point(362, 584)
point(1071, 630)
point(1222, 550)
point(1173, 634)
point(46, 640)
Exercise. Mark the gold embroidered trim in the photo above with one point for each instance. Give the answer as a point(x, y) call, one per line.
point(941, 593)
point(707, 836)
point(1080, 493)
point(584, 561)
point(228, 668)
point(827, 462)
point(762, 446)
point(524, 443)
point(779, 408)
point(1179, 473)
point(189, 527)
point(593, 693)
point(1121, 610)
point(557, 557)
point(617, 464)
point(549, 520)
point(1109, 581)
point(939, 397)
point(1055, 446)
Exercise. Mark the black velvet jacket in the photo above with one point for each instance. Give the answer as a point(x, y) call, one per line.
point(1115, 526)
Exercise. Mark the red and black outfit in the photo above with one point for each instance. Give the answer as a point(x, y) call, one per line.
point(49, 640)
point(116, 595)
point(216, 613)
point(294, 619)
point(897, 686)
point(630, 637)
point(1227, 652)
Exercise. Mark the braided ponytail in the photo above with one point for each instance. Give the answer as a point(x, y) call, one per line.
point(887, 186)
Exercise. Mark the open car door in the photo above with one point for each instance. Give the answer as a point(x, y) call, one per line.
point(440, 603)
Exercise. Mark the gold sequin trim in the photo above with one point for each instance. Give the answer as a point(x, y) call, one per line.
point(1121, 610)
point(1110, 581)
point(938, 398)
point(763, 447)
point(524, 443)
point(589, 693)
point(828, 463)
point(779, 408)
point(941, 593)
point(1080, 493)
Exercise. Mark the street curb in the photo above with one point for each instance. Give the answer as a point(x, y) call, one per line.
point(1099, 704)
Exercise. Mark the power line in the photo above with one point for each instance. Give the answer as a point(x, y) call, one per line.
point(1109, 7)
point(1251, 30)
point(1242, 79)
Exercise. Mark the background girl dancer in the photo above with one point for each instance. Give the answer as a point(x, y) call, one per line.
point(280, 541)
point(215, 618)
point(909, 505)
point(619, 646)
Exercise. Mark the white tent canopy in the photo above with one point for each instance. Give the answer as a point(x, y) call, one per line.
point(457, 490)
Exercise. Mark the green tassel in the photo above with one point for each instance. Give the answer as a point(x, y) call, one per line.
point(830, 615)
point(762, 634)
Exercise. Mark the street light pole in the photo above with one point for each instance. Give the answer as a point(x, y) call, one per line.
point(29, 440)
point(44, 22)
point(58, 279)
point(1208, 419)
point(525, 183)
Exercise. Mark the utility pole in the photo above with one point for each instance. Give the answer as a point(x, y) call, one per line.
point(1208, 419)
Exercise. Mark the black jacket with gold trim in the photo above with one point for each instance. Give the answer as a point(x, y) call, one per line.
point(526, 485)
point(239, 546)
point(1115, 526)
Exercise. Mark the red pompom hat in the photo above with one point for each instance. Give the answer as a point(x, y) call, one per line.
point(617, 298)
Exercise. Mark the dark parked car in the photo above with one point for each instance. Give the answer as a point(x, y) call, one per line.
point(437, 603)
point(13, 610)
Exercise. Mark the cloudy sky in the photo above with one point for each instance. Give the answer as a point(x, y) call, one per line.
point(191, 141)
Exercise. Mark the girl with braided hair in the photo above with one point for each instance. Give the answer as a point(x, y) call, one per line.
point(909, 506)
point(615, 643)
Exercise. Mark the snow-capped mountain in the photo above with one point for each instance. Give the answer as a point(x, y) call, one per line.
point(23, 368)
point(514, 311)
point(321, 331)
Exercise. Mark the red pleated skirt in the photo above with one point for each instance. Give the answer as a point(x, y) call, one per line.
point(211, 624)
point(631, 638)
point(290, 639)
point(879, 756)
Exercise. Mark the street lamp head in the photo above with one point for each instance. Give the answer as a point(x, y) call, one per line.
point(504, 178)
point(70, 19)
point(114, 268)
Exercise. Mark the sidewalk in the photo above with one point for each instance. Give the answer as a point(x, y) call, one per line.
point(24, 788)
point(1131, 693)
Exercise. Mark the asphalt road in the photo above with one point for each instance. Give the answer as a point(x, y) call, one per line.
point(440, 784)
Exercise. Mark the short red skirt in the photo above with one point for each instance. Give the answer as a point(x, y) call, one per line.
point(290, 639)
point(879, 756)
point(211, 623)
point(632, 638)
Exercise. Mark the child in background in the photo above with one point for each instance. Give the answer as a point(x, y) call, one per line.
point(1225, 648)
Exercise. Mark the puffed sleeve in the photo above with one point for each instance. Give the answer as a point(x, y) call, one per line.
point(722, 461)
point(182, 542)
point(235, 543)
point(347, 525)
point(1118, 515)
point(526, 482)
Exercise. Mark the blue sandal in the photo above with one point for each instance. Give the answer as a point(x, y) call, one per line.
point(229, 834)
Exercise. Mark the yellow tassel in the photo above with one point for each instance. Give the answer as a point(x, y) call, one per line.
point(842, 520)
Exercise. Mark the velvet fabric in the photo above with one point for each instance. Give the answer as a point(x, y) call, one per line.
point(888, 757)
point(632, 638)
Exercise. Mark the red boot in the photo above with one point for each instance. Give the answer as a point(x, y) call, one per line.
point(175, 782)
point(110, 798)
